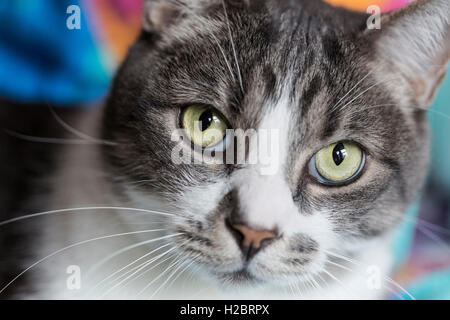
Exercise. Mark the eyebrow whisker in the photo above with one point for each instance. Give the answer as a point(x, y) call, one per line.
point(233, 46)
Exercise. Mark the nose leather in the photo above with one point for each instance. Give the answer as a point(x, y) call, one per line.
point(250, 241)
point(253, 238)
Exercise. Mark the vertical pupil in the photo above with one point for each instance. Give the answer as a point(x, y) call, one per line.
point(206, 118)
point(339, 153)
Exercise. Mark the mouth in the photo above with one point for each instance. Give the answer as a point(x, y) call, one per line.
point(240, 277)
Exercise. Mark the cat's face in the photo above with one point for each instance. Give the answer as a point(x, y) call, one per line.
point(351, 145)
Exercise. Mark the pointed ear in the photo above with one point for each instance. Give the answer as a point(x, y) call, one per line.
point(160, 14)
point(414, 44)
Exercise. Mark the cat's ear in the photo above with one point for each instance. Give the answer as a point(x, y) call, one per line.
point(158, 15)
point(414, 44)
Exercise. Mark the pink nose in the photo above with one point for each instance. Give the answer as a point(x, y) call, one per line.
point(250, 240)
point(253, 238)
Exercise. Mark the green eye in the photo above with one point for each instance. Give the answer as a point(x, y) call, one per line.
point(339, 162)
point(204, 125)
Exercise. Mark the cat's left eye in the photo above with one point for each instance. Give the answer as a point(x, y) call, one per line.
point(337, 163)
point(205, 126)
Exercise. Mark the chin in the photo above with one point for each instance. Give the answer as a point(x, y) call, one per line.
point(238, 279)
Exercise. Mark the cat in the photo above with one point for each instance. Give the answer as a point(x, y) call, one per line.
point(345, 103)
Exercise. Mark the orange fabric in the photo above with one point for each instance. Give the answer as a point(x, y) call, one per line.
point(362, 5)
point(359, 5)
point(117, 33)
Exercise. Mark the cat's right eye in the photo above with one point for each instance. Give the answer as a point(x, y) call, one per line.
point(205, 126)
point(337, 163)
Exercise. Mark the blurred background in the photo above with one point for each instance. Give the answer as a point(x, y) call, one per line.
point(43, 62)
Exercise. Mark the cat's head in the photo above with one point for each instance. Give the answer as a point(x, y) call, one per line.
point(344, 107)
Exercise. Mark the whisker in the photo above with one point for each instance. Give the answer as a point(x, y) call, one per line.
point(333, 277)
point(192, 274)
point(222, 51)
point(314, 282)
point(395, 284)
point(224, 56)
point(119, 252)
point(137, 269)
point(327, 284)
point(142, 266)
point(446, 116)
point(34, 215)
point(142, 224)
point(366, 90)
point(47, 140)
point(340, 256)
point(339, 265)
point(72, 246)
point(419, 221)
point(148, 262)
point(93, 288)
point(292, 287)
point(199, 292)
point(346, 289)
point(192, 260)
point(77, 133)
point(233, 46)
point(434, 226)
point(386, 278)
point(174, 264)
point(185, 269)
point(364, 109)
point(305, 286)
point(394, 293)
point(128, 265)
point(433, 237)
point(351, 90)
point(311, 285)
point(85, 139)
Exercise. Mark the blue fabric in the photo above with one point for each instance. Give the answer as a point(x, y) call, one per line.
point(439, 116)
point(434, 286)
point(405, 235)
point(41, 60)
